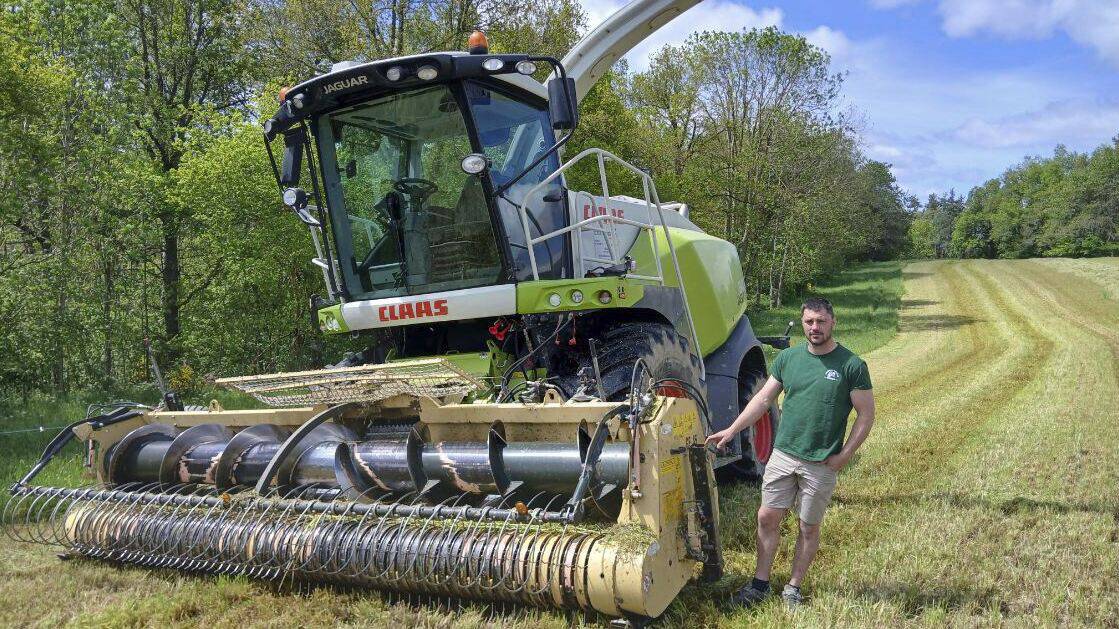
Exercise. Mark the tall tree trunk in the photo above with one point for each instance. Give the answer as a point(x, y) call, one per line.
point(58, 363)
point(773, 299)
point(781, 274)
point(107, 313)
point(172, 272)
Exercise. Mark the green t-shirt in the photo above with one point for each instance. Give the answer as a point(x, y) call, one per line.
point(817, 399)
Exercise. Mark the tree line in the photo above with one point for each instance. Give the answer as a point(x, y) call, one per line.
point(1066, 205)
point(136, 199)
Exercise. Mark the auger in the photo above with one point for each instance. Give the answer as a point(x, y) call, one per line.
point(541, 365)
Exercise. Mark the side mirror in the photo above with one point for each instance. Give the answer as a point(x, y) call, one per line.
point(293, 157)
point(562, 105)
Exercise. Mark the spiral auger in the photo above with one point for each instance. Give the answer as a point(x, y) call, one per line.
point(547, 505)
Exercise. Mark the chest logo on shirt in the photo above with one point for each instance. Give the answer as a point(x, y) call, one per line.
point(831, 374)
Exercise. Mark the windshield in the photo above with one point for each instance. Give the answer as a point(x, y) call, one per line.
point(513, 133)
point(412, 220)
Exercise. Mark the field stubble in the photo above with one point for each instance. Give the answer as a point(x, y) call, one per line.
point(984, 496)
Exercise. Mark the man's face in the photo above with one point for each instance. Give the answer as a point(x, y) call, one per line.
point(818, 325)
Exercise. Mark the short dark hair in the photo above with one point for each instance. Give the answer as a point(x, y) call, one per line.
point(817, 304)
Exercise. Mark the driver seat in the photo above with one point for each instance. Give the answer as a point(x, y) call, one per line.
point(462, 240)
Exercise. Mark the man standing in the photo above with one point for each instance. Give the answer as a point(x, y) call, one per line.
point(822, 381)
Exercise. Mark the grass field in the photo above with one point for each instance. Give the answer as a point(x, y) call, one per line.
point(985, 495)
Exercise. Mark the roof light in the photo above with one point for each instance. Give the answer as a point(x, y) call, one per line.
point(478, 44)
point(526, 67)
point(344, 65)
point(493, 64)
point(427, 72)
point(394, 73)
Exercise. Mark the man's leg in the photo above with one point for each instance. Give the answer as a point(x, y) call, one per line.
point(769, 536)
point(778, 492)
point(816, 484)
point(808, 542)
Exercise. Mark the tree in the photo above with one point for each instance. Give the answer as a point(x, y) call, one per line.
point(888, 234)
point(185, 60)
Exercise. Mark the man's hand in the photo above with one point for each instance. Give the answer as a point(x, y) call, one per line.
point(863, 401)
point(722, 438)
point(749, 415)
point(836, 462)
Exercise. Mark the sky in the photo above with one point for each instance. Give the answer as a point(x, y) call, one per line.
point(949, 92)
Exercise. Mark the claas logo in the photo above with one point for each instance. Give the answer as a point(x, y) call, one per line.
point(602, 210)
point(413, 310)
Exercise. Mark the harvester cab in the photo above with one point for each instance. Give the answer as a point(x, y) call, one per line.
point(424, 161)
point(541, 365)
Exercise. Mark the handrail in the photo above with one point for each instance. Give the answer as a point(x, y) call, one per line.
point(652, 200)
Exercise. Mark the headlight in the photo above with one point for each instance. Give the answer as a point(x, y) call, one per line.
point(526, 67)
point(577, 296)
point(555, 300)
point(295, 197)
point(427, 72)
point(604, 297)
point(493, 64)
point(474, 163)
point(394, 73)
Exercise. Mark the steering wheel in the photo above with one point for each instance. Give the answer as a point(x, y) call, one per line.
point(415, 187)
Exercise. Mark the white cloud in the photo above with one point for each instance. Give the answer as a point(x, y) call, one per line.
point(711, 15)
point(838, 45)
point(1072, 122)
point(1092, 23)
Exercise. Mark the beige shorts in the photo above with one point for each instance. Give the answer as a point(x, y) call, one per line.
point(790, 480)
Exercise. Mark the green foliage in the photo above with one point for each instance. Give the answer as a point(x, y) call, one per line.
point(1062, 206)
point(922, 242)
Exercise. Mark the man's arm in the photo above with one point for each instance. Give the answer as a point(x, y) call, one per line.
point(863, 401)
point(749, 415)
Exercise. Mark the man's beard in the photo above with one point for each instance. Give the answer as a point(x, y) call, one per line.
point(821, 342)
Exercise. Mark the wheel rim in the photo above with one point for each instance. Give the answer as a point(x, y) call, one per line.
point(672, 388)
point(763, 438)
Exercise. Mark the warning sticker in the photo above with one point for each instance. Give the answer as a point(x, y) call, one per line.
point(670, 471)
point(672, 489)
point(672, 503)
point(684, 424)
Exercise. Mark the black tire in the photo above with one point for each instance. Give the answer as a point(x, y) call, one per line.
point(755, 446)
point(667, 355)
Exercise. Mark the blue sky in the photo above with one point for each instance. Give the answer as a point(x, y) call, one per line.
point(950, 92)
